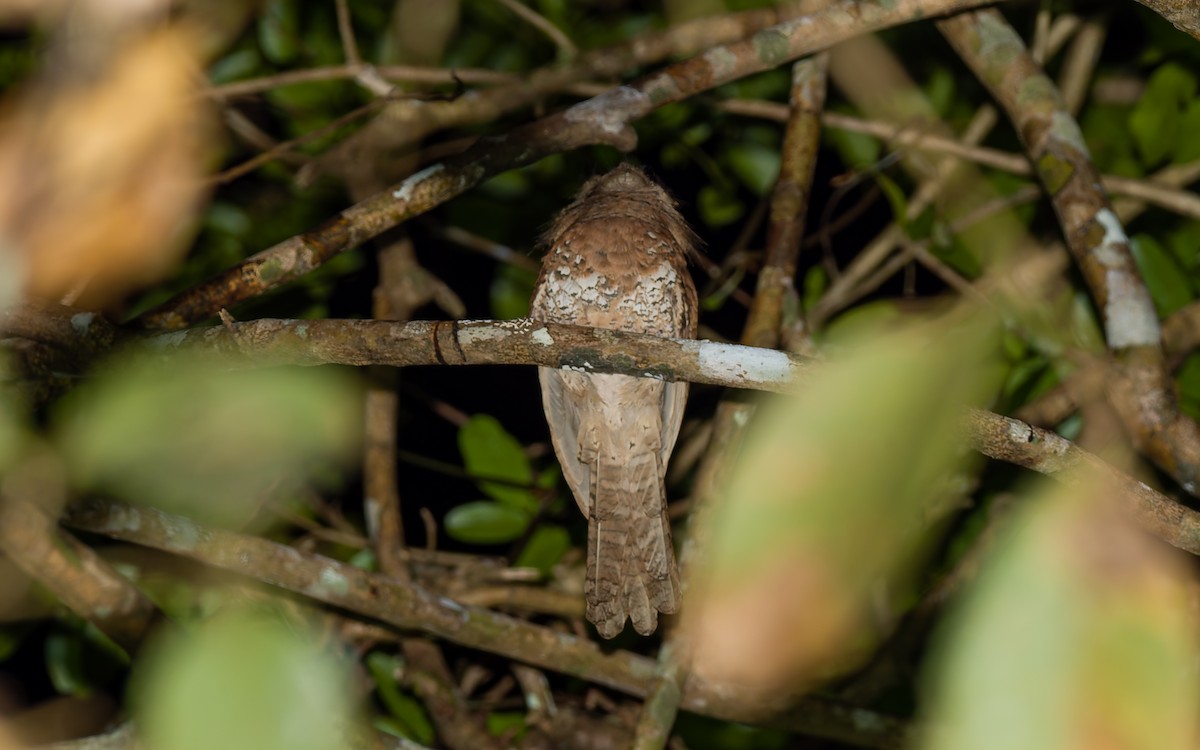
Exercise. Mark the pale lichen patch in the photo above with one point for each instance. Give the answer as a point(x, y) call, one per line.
point(1129, 316)
point(81, 322)
point(1110, 250)
point(722, 62)
point(1064, 128)
point(333, 581)
point(542, 337)
point(482, 334)
point(405, 190)
point(729, 362)
point(610, 111)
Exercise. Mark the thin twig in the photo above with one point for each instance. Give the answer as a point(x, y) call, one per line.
point(566, 47)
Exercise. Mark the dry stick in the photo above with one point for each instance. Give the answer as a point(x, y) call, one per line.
point(366, 342)
point(1161, 189)
point(480, 244)
point(264, 343)
point(406, 124)
point(789, 204)
point(566, 47)
point(430, 679)
point(411, 607)
point(400, 73)
point(1080, 60)
point(381, 501)
point(789, 201)
point(604, 119)
point(1141, 389)
point(1180, 331)
point(277, 150)
point(73, 572)
point(845, 288)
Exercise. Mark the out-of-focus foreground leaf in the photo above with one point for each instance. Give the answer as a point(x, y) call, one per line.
point(101, 166)
point(241, 681)
point(829, 500)
point(1080, 633)
point(207, 443)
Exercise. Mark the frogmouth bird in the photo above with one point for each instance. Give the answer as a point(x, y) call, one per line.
point(617, 258)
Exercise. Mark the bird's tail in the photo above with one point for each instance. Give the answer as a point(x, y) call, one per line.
point(631, 565)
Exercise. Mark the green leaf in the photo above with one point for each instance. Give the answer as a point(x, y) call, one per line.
point(718, 207)
point(511, 291)
point(64, 662)
point(1164, 278)
point(1187, 147)
point(1156, 121)
point(816, 280)
point(194, 438)
point(1188, 377)
point(544, 549)
point(278, 30)
point(939, 89)
point(895, 198)
point(12, 635)
point(862, 321)
point(506, 724)
point(241, 681)
point(1050, 649)
point(857, 150)
point(409, 719)
point(756, 166)
point(1184, 243)
point(486, 522)
point(490, 451)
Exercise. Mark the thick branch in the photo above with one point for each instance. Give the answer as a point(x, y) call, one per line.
point(410, 607)
point(1183, 14)
point(604, 119)
point(486, 342)
point(1141, 389)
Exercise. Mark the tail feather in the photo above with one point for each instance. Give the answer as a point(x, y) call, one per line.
point(631, 569)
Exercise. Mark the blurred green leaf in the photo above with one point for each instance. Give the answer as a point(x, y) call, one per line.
point(1166, 281)
point(511, 290)
point(488, 450)
point(1184, 243)
point(409, 719)
point(486, 522)
point(831, 497)
point(896, 198)
point(278, 30)
point(1188, 377)
point(1157, 119)
point(12, 635)
point(940, 90)
point(196, 439)
point(509, 724)
point(756, 166)
point(718, 207)
point(857, 150)
point(861, 322)
point(816, 280)
point(241, 681)
point(545, 548)
point(235, 66)
point(64, 663)
point(1079, 634)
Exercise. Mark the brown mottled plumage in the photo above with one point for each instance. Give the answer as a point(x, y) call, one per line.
point(617, 258)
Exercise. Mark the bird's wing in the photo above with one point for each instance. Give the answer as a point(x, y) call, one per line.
point(562, 413)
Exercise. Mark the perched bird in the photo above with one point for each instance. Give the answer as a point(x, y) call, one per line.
point(617, 258)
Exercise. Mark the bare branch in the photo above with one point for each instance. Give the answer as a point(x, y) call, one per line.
point(604, 119)
point(410, 607)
